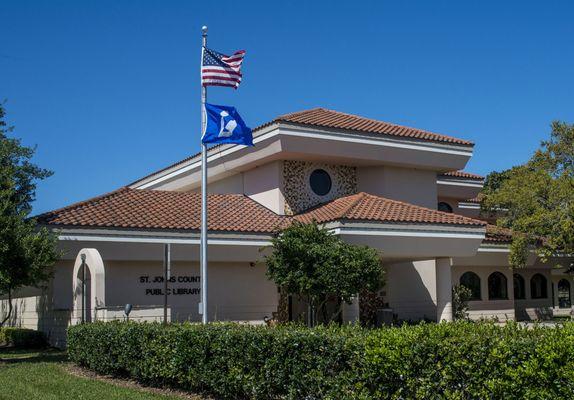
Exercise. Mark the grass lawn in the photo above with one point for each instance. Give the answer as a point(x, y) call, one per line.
point(32, 375)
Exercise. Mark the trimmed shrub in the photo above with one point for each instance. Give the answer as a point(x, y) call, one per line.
point(22, 338)
point(460, 360)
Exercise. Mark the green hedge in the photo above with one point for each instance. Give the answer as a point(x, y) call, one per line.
point(460, 360)
point(21, 337)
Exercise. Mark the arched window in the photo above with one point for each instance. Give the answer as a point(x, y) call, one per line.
point(497, 286)
point(564, 294)
point(472, 282)
point(519, 287)
point(538, 287)
point(444, 207)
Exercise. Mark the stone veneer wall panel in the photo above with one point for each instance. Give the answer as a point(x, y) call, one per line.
point(297, 189)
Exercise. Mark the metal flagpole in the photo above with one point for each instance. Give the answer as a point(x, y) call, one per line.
point(203, 254)
point(166, 277)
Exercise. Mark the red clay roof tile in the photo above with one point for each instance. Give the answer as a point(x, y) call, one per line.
point(463, 174)
point(496, 234)
point(335, 119)
point(151, 209)
point(368, 207)
point(163, 210)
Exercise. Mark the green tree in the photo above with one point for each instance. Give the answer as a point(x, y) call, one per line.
point(536, 200)
point(309, 261)
point(26, 253)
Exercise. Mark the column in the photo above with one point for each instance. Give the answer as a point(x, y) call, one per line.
point(443, 290)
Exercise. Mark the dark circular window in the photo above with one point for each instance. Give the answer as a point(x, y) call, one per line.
point(444, 207)
point(320, 182)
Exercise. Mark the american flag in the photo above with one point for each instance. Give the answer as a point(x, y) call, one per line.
point(220, 70)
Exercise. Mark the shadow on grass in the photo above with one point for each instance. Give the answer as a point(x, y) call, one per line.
point(10, 355)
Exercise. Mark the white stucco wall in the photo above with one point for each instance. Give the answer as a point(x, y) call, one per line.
point(43, 308)
point(411, 185)
point(410, 289)
point(237, 292)
point(264, 185)
point(231, 184)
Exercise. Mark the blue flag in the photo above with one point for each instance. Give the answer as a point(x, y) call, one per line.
point(224, 125)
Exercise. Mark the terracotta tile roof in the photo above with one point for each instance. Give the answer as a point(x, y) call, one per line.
point(151, 209)
point(163, 210)
point(322, 117)
point(368, 207)
point(463, 174)
point(475, 200)
point(496, 234)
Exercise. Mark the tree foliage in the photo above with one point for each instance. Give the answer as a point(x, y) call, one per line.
point(310, 261)
point(26, 253)
point(461, 295)
point(537, 199)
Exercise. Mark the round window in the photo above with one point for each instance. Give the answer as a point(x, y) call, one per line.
point(320, 182)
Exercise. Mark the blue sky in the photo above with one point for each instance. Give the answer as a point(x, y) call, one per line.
point(109, 90)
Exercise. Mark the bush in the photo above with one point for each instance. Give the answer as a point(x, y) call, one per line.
point(461, 360)
point(22, 338)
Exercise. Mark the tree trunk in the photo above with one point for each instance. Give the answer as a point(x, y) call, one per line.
point(7, 317)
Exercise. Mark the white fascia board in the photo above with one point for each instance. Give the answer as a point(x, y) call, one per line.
point(134, 239)
point(312, 133)
point(493, 249)
point(124, 236)
point(470, 206)
point(422, 231)
point(385, 141)
point(473, 184)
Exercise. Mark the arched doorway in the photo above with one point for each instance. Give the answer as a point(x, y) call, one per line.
point(519, 287)
point(471, 281)
point(564, 300)
point(497, 286)
point(88, 286)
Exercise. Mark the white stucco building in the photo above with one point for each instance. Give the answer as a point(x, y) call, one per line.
point(397, 189)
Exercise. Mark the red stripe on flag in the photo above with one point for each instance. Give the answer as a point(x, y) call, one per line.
point(221, 71)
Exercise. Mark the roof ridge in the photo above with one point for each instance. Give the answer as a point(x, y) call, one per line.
point(359, 198)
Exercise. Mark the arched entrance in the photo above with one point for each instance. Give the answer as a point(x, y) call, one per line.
point(88, 285)
point(564, 299)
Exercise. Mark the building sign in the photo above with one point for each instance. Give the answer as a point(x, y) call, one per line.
point(181, 279)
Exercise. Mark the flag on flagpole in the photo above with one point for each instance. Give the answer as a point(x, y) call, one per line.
point(220, 70)
point(225, 125)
